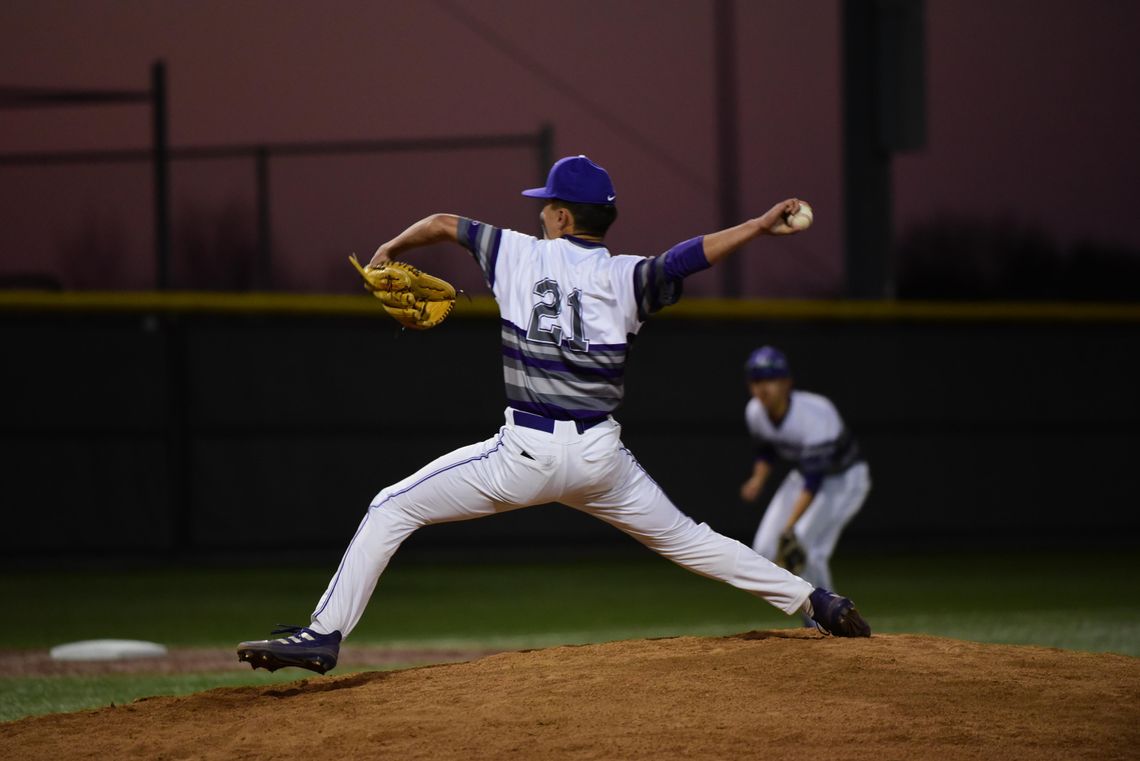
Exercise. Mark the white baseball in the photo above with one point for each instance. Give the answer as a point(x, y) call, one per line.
point(802, 219)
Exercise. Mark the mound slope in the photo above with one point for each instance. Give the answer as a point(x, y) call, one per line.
point(777, 694)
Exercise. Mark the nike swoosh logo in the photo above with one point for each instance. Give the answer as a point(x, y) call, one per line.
point(610, 198)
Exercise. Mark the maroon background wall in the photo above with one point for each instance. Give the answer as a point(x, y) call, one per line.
point(1032, 118)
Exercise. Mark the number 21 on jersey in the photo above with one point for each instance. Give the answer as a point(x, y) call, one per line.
point(544, 327)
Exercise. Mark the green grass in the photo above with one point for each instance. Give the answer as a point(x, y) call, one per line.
point(39, 695)
point(1076, 601)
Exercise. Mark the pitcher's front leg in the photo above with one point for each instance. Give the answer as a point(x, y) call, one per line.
point(451, 488)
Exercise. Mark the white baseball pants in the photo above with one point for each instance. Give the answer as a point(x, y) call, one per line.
point(589, 471)
point(835, 504)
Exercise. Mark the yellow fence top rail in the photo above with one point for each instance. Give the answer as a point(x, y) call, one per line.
point(201, 302)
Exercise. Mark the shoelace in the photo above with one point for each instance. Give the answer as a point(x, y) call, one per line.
point(287, 629)
point(298, 634)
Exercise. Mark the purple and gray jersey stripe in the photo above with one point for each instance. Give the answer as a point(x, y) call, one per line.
point(657, 281)
point(483, 242)
point(569, 313)
point(815, 461)
point(553, 381)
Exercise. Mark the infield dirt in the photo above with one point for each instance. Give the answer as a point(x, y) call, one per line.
point(769, 694)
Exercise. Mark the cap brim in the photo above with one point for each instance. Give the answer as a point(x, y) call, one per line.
point(538, 193)
point(768, 374)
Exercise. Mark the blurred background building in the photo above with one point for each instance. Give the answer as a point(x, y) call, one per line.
point(1022, 183)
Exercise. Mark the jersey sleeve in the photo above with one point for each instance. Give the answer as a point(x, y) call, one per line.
point(483, 242)
point(658, 280)
point(817, 458)
point(763, 450)
point(492, 247)
point(813, 475)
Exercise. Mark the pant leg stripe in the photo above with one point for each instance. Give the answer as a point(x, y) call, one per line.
point(368, 514)
point(444, 469)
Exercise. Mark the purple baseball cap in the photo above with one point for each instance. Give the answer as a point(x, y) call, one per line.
point(578, 180)
point(766, 363)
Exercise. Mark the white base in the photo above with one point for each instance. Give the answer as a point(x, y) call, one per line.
point(107, 650)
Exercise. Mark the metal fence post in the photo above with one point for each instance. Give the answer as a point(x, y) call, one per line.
point(263, 273)
point(161, 159)
point(727, 137)
point(545, 151)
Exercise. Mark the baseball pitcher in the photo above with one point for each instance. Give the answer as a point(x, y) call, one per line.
point(569, 310)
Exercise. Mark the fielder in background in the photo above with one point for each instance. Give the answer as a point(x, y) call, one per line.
point(569, 311)
point(829, 480)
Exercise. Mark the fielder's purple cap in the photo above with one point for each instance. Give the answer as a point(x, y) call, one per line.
point(578, 180)
point(767, 362)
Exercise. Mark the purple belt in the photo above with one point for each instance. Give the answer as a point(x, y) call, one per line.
point(540, 423)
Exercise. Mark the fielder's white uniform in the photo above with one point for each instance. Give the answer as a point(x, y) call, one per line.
point(569, 312)
point(814, 439)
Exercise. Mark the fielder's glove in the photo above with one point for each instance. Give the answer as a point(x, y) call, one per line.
point(415, 299)
point(790, 553)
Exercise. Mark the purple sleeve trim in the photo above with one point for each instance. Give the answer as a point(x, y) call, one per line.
point(763, 450)
point(488, 256)
point(493, 257)
point(686, 258)
point(466, 238)
point(812, 481)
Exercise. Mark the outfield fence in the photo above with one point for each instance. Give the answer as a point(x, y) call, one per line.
point(179, 423)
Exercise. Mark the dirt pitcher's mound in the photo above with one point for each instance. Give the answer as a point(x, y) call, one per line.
point(784, 694)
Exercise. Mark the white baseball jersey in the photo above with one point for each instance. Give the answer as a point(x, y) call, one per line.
point(568, 312)
point(813, 438)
